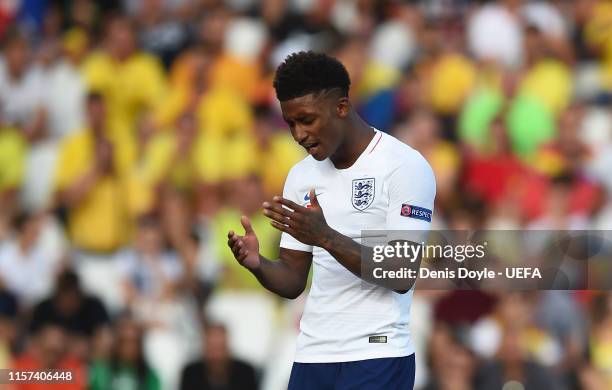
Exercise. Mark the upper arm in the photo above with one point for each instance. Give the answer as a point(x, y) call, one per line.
point(411, 191)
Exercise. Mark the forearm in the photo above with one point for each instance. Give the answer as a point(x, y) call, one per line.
point(351, 255)
point(279, 278)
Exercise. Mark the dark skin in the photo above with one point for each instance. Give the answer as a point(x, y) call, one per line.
point(327, 127)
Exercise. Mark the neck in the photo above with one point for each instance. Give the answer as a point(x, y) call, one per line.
point(357, 139)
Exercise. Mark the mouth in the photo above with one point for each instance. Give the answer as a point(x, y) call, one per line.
point(310, 147)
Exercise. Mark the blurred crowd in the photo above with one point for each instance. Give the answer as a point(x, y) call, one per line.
point(135, 133)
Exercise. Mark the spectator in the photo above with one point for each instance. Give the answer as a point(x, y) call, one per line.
point(81, 316)
point(218, 369)
point(150, 273)
point(67, 91)
point(127, 368)
point(515, 346)
point(48, 351)
point(512, 367)
point(22, 88)
point(453, 363)
point(161, 31)
point(567, 203)
point(91, 181)
point(26, 256)
point(168, 168)
point(128, 79)
point(496, 172)
point(422, 132)
point(225, 148)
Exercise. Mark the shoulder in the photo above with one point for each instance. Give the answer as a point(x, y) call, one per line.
point(43, 307)
point(302, 169)
point(242, 368)
point(196, 367)
point(400, 156)
point(93, 304)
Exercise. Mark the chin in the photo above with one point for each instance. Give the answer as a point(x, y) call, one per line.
point(319, 155)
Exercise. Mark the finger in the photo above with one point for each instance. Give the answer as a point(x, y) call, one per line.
point(286, 202)
point(242, 256)
point(236, 249)
point(280, 209)
point(277, 217)
point(246, 224)
point(313, 199)
point(283, 228)
point(230, 234)
point(236, 246)
point(242, 250)
point(234, 238)
point(232, 241)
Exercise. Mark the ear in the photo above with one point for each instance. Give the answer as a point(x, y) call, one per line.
point(343, 107)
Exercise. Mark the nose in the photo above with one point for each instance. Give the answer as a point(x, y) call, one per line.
point(299, 135)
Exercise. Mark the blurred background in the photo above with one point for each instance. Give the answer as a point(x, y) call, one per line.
point(134, 133)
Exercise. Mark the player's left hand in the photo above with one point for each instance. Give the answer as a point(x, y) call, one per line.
point(306, 224)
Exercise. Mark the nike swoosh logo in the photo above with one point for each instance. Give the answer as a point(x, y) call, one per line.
point(307, 196)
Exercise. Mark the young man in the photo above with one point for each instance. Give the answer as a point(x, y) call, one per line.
point(353, 334)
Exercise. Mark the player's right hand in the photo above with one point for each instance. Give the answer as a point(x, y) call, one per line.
point(245, 248)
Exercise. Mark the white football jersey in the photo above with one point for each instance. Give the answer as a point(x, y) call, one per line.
point(342, 319)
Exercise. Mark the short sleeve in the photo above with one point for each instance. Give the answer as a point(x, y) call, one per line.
point(290, 192)
point(411, 190)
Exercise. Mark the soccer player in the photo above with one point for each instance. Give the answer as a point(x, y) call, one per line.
point(355, 178)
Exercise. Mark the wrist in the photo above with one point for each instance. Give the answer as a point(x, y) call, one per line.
point(327, 239)
point(255, 268)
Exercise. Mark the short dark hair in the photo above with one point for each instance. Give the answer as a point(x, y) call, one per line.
point(68, 281)
point(307, 72)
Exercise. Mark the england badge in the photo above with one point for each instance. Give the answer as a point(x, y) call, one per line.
point(363, 193)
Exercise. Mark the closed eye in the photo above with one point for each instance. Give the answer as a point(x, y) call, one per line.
point(307, 121)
